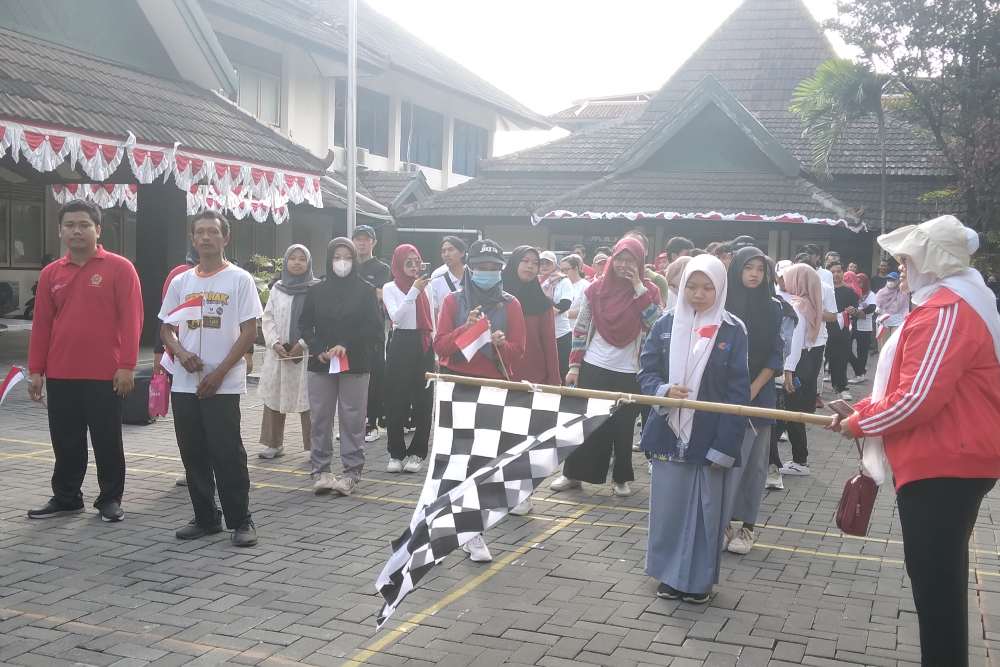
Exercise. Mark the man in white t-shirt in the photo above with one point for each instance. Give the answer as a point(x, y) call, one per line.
point(447, 278)
point(209, 317)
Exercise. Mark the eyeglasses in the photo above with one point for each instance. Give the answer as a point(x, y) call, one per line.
point(412, 263)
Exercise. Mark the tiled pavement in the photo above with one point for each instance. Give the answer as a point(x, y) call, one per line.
point(566, 588)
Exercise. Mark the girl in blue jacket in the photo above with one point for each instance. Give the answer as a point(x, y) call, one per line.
point(697, 351)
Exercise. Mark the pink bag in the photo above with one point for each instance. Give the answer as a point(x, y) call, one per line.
point(159, 395)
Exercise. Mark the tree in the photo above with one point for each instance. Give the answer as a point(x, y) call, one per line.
point(839, 93)
point(945, 55)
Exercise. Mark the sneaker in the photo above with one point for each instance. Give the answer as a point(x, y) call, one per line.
point(623, 490)
point(774, 480)
point(668, 593)
point(696, 598)
point(372, 434)
point(742, 542)
point(477, 550)
point(271, 452)
point(181, 481)
point(193, 530)
point(394, 465)
point(111, 512)
point(793, 468)
point(413, 464)
point(323, 484)
point(564, 483)
point(846, 395)
point(53, 509)
point(727, 536)
point(245, 535)
point(522, 508)
point(345, 485)
point(858, 379)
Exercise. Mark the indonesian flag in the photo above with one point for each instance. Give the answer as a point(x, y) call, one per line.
point(843, 319)
point(167, 363)
point(189, 310)
point(15, 375)
point(475, 337)
point(339, 364)
point(881, 328)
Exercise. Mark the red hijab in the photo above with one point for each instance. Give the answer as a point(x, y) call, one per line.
point(425, 325)
point(617, 314)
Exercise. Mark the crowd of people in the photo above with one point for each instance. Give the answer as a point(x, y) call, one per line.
point(726, 324)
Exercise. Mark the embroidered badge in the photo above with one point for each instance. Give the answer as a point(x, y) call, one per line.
point(723, 346)
point(96, 280)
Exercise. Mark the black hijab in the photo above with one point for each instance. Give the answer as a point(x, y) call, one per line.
point(530, 294)
point(343, 297)
point(754, 307)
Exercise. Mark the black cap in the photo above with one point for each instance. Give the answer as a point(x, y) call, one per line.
point(364, 229)
point(486, 250)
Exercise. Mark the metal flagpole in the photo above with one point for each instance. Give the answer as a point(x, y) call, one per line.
point(350, 114)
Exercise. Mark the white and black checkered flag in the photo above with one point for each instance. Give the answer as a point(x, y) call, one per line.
point(492, 448)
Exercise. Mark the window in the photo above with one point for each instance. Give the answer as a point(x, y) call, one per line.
point(118, 232)
point(249, 238)
point(260, 94)
point(373, 119)
point(27, 234)
point(470, 145)
point(421, 136)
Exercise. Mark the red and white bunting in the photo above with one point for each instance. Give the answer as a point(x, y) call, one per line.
point(105, 195)
point(238, 202)
point(712, 216)
point(45, 150)
point(98, 159)
point(190, 169)
point(148, 162)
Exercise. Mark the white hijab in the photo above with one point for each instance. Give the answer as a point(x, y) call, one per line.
point(692, 338)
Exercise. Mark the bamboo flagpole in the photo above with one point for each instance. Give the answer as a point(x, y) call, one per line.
point(642, 399)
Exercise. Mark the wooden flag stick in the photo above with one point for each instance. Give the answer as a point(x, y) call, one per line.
point(642, 399)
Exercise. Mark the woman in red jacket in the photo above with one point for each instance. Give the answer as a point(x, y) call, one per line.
point(540, 363)
point(935, 407)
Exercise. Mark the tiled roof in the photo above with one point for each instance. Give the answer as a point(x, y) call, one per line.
point(903, 204)
point(335, 196)
point(593, 150)
point(591, 112)
point(48, 83)
point(386, 186)
point(498, 196)
point(382, 43)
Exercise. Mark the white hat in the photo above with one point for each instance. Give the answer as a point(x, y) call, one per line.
point(942, 246)
point(782, 266)
point(548, 255)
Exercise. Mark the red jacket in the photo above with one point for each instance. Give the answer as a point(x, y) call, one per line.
point(450, 356)
point(940, 416)
point(87, 318)
point(540, 363)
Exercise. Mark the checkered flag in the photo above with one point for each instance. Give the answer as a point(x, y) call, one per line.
point(492, 448)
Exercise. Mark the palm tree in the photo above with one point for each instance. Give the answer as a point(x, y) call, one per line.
point(838, 94)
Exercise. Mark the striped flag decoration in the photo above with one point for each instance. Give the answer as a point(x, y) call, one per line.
point(189, 310)
point(339, 364)
point(15, 375)
point(475, 337)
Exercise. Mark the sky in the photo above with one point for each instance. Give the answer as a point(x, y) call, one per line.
point(547, 53)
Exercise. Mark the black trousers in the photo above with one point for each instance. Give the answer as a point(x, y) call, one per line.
point(774, 457)
point(563, 346)
point(408, 394)
point(589, 463)
point(802, 400)
point(208, 436)
point(937, 517)
point(76, 407)
point(376, 387)
point(861, 342)
point(838, 351)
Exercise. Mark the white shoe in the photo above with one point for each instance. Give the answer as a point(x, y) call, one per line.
point(394, 465)
point(774, 480)
point(564, 483)
point(742, 542)
point(860, 379)
point(323, 484)
point(412, 464)
point(522, 508)
point(623, 490)
point(271, 452)
point(793, 468)
point(727, 535)
point(477, 550)
point(371, 435)
point(846, 395)
point(345, 485)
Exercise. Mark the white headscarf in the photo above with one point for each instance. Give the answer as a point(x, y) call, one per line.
point(692, 338)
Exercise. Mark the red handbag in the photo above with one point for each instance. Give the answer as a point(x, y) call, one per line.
point(857, 502)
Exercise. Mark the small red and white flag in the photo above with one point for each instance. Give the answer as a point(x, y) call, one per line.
point(843, 319)
point(15, 375)
point(474, 338)
point(339, 364)
point(189, 310)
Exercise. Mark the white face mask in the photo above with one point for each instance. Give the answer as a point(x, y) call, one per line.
point(342, 267)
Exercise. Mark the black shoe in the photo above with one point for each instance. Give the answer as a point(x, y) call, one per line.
point(245, 535)
point(53, 509)
point(111, 512)
point(194, 530)
point(668, 593)
point(696, 598)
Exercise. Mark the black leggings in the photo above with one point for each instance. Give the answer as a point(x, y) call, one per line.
point(408, 395)
point(803, 400)
point(862, 340)
point(937, 517)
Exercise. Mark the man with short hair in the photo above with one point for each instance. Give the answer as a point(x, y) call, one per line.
point(84, 345)
point(678, 246)
point(215, 308)
point(447, 278)
point(878, 281)
point(586, 271)
point(377, 273)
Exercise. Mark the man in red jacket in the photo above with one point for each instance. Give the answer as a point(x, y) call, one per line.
point(84, 343)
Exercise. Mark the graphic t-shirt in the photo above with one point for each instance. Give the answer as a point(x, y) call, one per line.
point(229, 299)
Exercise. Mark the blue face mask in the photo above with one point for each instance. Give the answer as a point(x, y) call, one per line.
point(485, 279)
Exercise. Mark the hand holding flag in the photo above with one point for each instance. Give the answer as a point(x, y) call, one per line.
point(339, 362)
point(474, 337)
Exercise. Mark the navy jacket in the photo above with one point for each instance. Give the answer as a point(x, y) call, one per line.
point(767, 397)
point(715, 438)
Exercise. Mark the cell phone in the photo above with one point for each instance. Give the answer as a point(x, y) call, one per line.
point(424, 268)
point(841, 407)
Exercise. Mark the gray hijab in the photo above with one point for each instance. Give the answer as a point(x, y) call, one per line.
point(296, 286)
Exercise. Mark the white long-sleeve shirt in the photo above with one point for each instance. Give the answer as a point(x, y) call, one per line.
point(795, 342)
point(402, 308)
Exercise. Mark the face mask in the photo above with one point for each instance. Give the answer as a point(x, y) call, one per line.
point(485, 279)
point(342, 267)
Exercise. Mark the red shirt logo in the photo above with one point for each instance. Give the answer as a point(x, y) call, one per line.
point(96, 280)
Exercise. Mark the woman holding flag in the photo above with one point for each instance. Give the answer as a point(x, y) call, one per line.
point(540, 363)
point(339, 318)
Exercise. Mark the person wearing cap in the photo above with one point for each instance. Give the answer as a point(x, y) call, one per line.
point(934, 418)
point(447, 278)
point(600, 260)
point(376, 273)
point(559, 290)
point(482, 295)
point(892, 305)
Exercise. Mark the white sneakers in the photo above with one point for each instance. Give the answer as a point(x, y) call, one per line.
point(623, 490)
point(522, 508)
point(793, 468)
point(394, 465)
point(742, 542)
point(477, 550)
point(323, 484)
point(345, 485)
point(271, 452)
point(846, 395)
point(564, 483)
point(859, 379)
point(412, 464)
point(774, 480)
point(372, 434)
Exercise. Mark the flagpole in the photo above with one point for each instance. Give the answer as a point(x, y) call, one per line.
point(350, 115)
point(642, 399)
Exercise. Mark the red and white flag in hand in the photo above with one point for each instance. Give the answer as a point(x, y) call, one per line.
point(189, 310)
point(843, 319)
point(475, 337)
point(339, 364)
point(15, 375)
